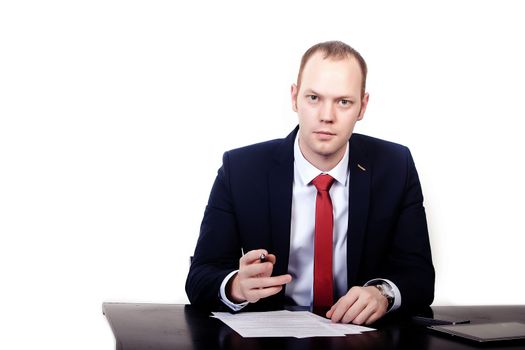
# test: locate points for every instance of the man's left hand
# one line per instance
(361, 305)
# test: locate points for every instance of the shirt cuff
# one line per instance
(397, 293)
(222, 294)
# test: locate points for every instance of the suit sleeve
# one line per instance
(410, 262)
(218, 248)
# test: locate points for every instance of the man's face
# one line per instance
(328, 103)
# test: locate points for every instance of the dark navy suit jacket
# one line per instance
(250, 208)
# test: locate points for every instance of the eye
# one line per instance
(345, 103)
(312, 98)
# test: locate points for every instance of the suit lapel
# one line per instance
(280, 187)
(359, 198)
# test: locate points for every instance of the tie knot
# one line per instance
(323, 182)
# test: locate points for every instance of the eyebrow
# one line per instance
(344, 97)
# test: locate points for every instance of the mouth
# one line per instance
(324, 133)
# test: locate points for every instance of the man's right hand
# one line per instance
(253, 281)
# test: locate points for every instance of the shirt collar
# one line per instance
(308, 172)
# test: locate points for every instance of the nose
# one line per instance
(327, 113)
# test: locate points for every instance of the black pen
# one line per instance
(428, 321)
(262, 258)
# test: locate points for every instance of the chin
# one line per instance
(324, 152)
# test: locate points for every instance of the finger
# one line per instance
(256, 270)
(338, 311)
(330, 312)
(266, 282)
(254, 295)
(343, 304)
(378, 312)
(252, 256)
(364, 315)
(374, 317)
(375, 304)
(256, 288)
(354, 311)
(271, 258)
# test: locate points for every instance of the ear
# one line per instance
(293, 92)
(364, 103)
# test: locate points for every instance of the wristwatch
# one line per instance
(387, 292)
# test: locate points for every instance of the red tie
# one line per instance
(324, 227)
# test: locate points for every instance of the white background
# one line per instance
(112, 112)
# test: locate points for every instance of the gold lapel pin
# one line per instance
(361, 167)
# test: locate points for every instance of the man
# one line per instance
(323, 218)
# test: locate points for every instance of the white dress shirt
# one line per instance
(300, 263)
(301, 260)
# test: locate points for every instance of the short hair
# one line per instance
(336, 50)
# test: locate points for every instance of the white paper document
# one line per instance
(298, 324)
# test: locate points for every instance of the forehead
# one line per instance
(332, 76)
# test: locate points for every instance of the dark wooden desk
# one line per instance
(164, 326)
